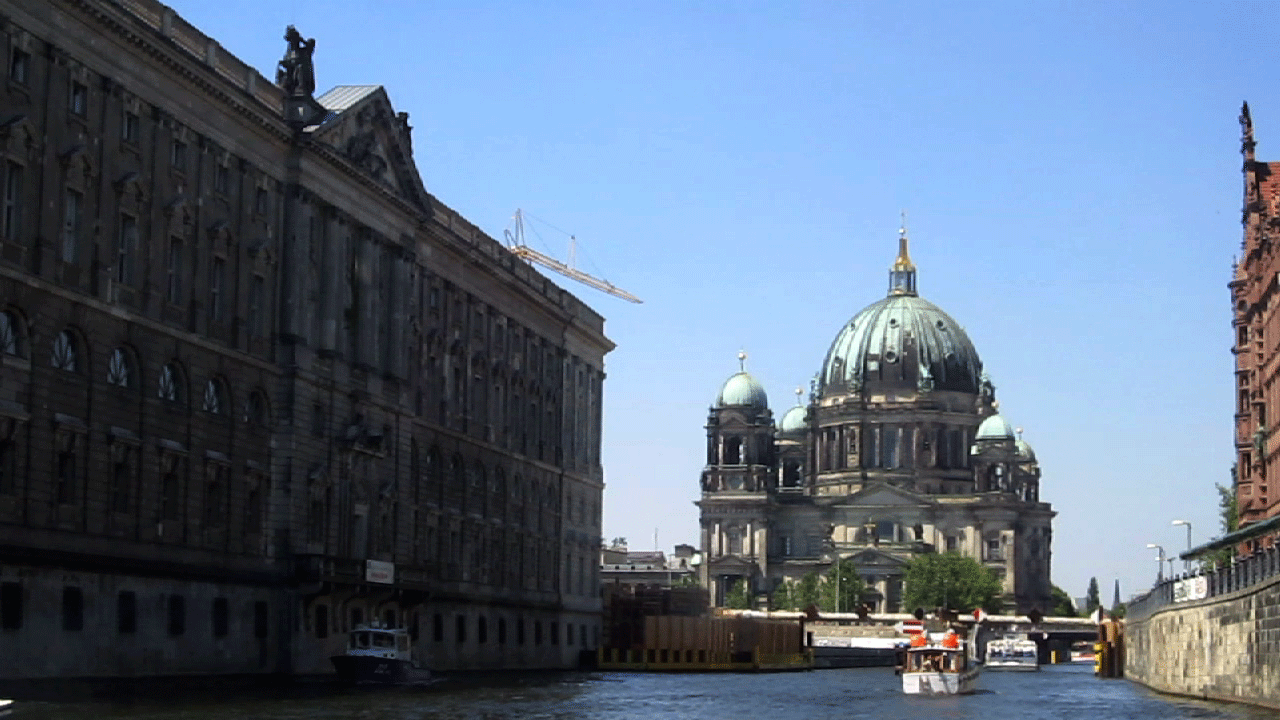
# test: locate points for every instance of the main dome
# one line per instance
(901, 341)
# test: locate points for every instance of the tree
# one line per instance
(1228, 520)
(805, 593)
(1063, 606)
(847, 582)
(738, 598)
(783, 597)
(1092, 601)
(951, 580)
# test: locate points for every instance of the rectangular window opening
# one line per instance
(127, 612)
(72, 608)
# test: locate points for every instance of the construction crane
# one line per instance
(516, 244)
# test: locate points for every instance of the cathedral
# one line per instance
(900, 451)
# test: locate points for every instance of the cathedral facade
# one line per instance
(900, 451)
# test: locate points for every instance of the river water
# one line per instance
(1061, 692)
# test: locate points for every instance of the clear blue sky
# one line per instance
(1071, 173)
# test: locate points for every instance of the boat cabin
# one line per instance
(936, 659)
(378, 642)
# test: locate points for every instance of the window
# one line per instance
(255, 409)
(317, 419)
(178, 155)
(71, 209)
(78, 102)
(482, 630)
(170, 383)
(174, 293)
(11, 213)
(122, 462)
(66, 469)
(8, 466)
(10, 340)
(63, 354)
(260, 619)
(170, 491)
(215, 397)
(10, 606)
(19, 66)
(215, 496)
(219, 618)
(220, 178)
(460, 623)
(126, 612)
(129, 127)
(437, 627)
(126, 249)
(260, 201)
(72, 608)
(217, 281)
(118, 371)
(177, 615)
(256, 292)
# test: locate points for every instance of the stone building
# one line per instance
(899, 450)
(257, 384)
(1254, 295)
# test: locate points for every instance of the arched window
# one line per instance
(215, 397)
(63, 354)
(733, 451)
(11, 336)
(170, 388)
(119, 369)
(255, 408)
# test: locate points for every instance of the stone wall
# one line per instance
(1223, 648)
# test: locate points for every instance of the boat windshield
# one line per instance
(360, 639)
(383, 640)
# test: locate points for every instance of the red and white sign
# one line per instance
(910, 627)
(378, 571)
(979, 615)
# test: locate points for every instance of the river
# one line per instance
(1061, 692)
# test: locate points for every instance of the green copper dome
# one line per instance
(902, 341)
(995, 428)
(792, 423)
(742, 390)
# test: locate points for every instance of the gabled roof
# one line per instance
(363, 128)
(884, 495)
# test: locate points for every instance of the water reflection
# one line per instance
(1055, 693)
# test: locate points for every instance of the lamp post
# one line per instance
(1159, 562)
(1186, 564)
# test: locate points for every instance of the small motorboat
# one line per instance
(939, 666)
(6, 707)
(378, 654)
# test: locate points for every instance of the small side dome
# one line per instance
(792, 424)
(742, 390)
(1025, 453)
(995, 428)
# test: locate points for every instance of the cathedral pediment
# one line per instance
(872, 558)
(881, 495)
(365, 130)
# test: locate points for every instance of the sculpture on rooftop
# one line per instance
(295, 74)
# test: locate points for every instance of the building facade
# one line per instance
(900, 450)
(1255, 298)
(258, 385)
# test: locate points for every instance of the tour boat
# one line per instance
(1012, 654)
(377, 654)
(939, 666)
(6, 707)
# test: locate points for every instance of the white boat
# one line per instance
(939, 666)
(6, 707)
(1017, 654)
(378, 654)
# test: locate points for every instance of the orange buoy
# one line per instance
(918, 640)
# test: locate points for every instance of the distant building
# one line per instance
(1254, 297)
(258, 385)
(620, 566)
(898, 451)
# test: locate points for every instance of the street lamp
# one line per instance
(1186, 564)
(1159, 562)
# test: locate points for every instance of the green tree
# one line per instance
(806, 593)
(1062, 603)
(1228, 520)
(783, 597)
(952, 581)
(738, 598)
(849, 586)
(1092, 601)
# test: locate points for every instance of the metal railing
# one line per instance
(1241, 574)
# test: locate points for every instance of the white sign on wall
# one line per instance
(378, 571)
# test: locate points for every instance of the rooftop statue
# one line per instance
(296, 74)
